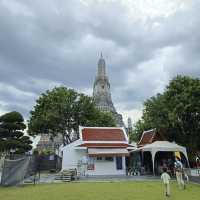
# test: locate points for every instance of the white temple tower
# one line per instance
(101, 92)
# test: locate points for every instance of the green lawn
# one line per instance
(99, 191)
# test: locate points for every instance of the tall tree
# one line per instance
(62, 110)
(11, 133)
(183, 102)
(176, 112)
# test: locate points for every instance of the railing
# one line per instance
(192, 171)
(198, 171)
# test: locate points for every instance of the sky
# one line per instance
(50, 43)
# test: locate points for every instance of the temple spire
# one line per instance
(101, 66)
(102, 94)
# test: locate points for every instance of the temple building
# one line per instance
(102, 94)
(98, 151)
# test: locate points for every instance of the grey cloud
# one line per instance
(49, 43)
(18, 108)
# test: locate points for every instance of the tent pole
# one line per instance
(153, 158)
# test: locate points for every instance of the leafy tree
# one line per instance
(102, 119)
(175, 113)
(183, 102)
(11, 135)
(155, 114)
(137, 131)
(62, 110)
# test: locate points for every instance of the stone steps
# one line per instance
(66, 175)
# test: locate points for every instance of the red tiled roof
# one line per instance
(147, 137)
(150, 136)
(98, 134)
(102, 145)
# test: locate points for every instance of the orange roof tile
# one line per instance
(103, 134)
(149, 137)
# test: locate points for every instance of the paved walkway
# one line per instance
(194, 179)
(116, 178)
(50, 178)
(43, 178)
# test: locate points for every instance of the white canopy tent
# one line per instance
(162, 146)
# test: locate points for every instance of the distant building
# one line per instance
(130, 126)
(46, 143)
(102, 94)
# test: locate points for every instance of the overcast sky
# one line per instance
(46, 43)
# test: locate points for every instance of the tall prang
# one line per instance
(102, 94)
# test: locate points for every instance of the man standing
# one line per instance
(165, 178)
(179, 172)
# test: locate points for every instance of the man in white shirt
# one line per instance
(165, 178)
(179, 172)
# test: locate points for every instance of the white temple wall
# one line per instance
(104, 167)
(71, 156)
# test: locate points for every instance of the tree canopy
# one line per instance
(175, 113)
(62, 110)
(11, 133)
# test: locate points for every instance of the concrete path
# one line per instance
(117, 178)
(194, 179)
(50, 178)
(44, 178)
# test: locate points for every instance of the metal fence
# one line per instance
(14, 171)
(15, 168)
(49, 162)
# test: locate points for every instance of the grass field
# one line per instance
(99, 191)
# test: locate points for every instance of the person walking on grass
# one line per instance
(166, 178)
(178, 166)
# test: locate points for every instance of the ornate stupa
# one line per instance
(101, 92)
